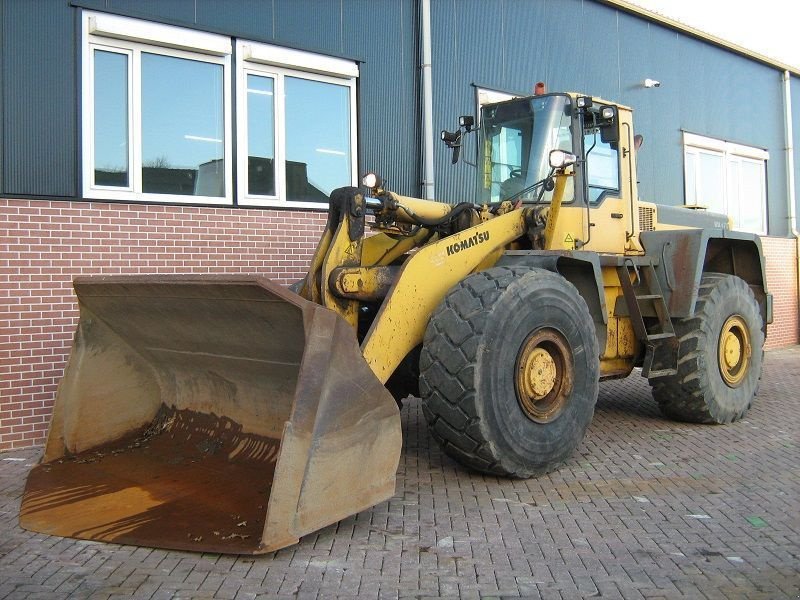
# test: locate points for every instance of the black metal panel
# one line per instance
(39, 110)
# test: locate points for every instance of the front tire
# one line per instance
(720, 355)
(509, 371)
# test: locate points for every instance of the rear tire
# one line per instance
(720, 355)
(509, 371)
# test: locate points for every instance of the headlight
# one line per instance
(372, 180)
(560, 159)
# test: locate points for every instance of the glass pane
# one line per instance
(183, 128)
(690, 162)
(318, 153)
(516, 138)
(260, 136)
(506, 165)
(111, 119)
(752, 197)
(732, 197)
(602, 166)
(711, 189)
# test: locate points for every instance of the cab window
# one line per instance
(602, 167)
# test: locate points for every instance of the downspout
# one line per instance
(427, 104)
(790, 183)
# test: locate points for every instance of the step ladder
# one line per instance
(642, 292)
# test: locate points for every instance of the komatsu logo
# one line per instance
(478, 238)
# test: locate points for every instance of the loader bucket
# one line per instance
(215, 414)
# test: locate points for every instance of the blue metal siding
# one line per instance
(243, 18)
(39, 118)
(37, 59)
(310, 24)
(171, 10)
(578, 45)
(389, 132)
(581, 45)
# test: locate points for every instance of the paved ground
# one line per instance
(647, 508)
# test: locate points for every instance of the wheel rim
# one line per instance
(544, 375)
(734, 351)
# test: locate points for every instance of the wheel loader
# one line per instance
(231, 414)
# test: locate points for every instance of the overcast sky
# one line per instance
(769, 27)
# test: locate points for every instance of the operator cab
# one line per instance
(517, 136)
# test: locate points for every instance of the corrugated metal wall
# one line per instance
(40, 49)
(38, 99)
(508, 45)
(581, 45)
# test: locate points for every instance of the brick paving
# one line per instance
(647, 508)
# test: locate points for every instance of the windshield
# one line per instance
(517, 137)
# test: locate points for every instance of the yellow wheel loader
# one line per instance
(230, 414)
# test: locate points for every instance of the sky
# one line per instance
(768, 27)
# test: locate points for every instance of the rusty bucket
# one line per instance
(216, 414)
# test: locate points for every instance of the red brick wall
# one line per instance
(44, 245)
(781, 258)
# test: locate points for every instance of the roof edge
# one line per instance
(640, 11)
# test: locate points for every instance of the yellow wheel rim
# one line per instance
(544, 375)
(734, 351)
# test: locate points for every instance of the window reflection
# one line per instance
(183, 130)
(111, 119)
(260, 136)
(318, 153)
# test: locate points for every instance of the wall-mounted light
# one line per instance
(651, 83)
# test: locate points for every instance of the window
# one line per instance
(299, 126)
(602, 167)
(727, 178)
(156, 118)
(516, 140)
(489, 96)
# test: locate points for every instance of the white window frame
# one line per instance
(133, 36)
(694, 145)
(276, 62)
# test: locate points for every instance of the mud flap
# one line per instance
(215, 414)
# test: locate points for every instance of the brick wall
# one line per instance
(781, 259)
(44, 245)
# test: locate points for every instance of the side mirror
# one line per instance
(466, 123)
(453, 140)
